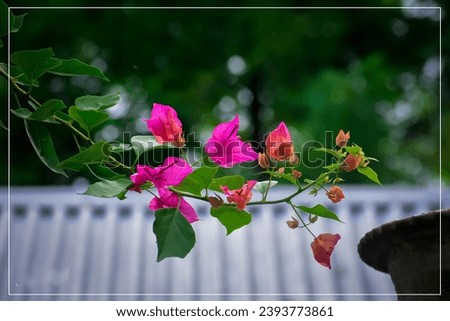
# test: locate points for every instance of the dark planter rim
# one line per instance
(375, 247)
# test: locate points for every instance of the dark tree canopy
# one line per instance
(374, 72)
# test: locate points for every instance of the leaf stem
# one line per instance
(267, 190)
(301, 219)
(76, 131)
(278, 201)
(56, 118)
(180, 193)
(17, 88)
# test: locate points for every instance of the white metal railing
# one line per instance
(69, 246)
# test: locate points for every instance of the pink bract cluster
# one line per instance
(226, 149)
(170, 173)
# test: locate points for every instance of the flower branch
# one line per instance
(174, 181)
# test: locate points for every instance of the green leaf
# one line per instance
(120, 147)
(47, 110)
(370, 173)
(174, 234)
(231, 217)
(34, 63)
(43, 145)
(332, 167)
(320, 210)
(355, 149)
(263, 186)
(3, 19)
(329, 151)
(233, 182)
(285, 176)
(103, 172)
(3, 125)
(197, 181)
(75, 67)
(108, 188)
(16, 22)
(18, 75)
(88, 119)
(22, 112)
(97, 102)
(96, 154)
(44, 112)
(63, 116)
(142, 144)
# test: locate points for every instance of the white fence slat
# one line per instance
(77, 251)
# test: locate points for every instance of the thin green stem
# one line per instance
(200, 161)
(119, 164)
(17, 88)
(267, 190)
(180, 193)
(75, 130)
(290, 197)
(301, 219)
(22, 92)
(282, 200)
(37, 103)
(16, 98)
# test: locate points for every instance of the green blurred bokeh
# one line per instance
(374, 72)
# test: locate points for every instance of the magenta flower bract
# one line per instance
(170, 173)
(165, 125)
(226, 148)
(168, 199)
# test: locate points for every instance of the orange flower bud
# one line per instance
(179, 141)
(342, 138)
(293, 224)
(296, 174)
(263, 160)
(335, 194)
(281, 170)
(215, 202)
(294, 159)
(351, 162)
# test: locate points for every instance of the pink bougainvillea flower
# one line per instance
(335, 194)
(226, 148)
(170, 173)
(165, 125)
(322, 247)
(342, 138)
(279, 144)
(240, 196)
(168, 199)
(351, 162)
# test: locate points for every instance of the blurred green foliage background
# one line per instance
(374, 72)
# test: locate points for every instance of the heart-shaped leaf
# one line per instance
(174, 234)
(231, 217)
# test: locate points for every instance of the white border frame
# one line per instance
(223, 294)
